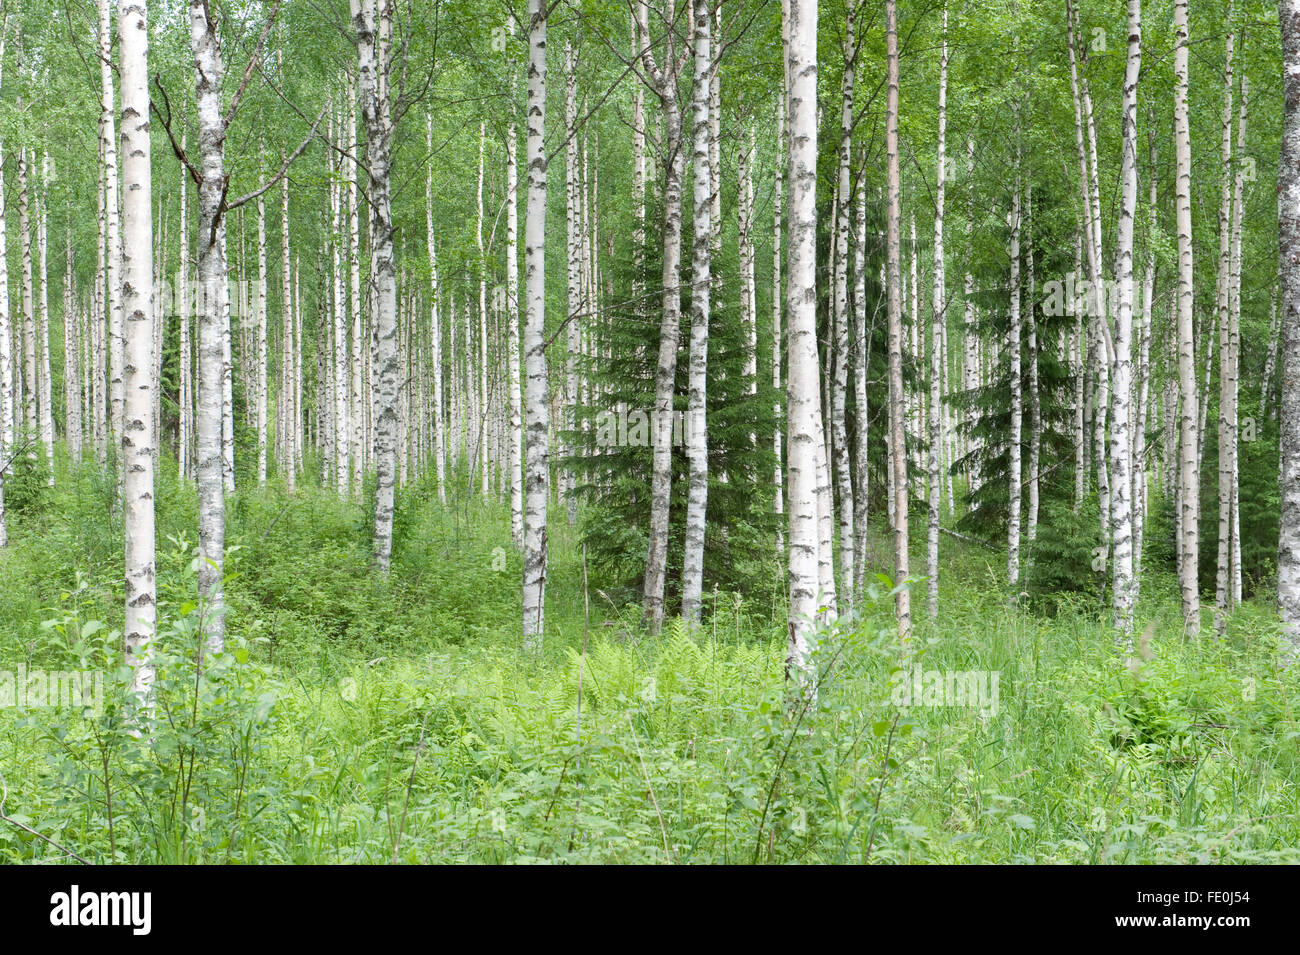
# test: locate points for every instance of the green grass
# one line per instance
(361, 720)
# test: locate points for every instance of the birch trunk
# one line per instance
(778, 308)
(938, 310)
(840, 382)
(802, 401)
(573, 251)
(213, 318)
(1234, 351)
(6, 332)
(1189, 470)
(185, 426)
(112, 262)
(516, 438)
(289, 350)
(861, 369)
(372, 21)
(1014, 359)
(261, 382)
(1227, 380)
(1288, 563)
(1124, 583)
(536, 393)
(697, 448)
(137, 309)
(897, 406)
(665, 81)
(435, 335)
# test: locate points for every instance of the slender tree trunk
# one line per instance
(1234, 351)
(357, 446)
(802, 402)
(212, 310)
(372, 21)
(261, 382)
(1124, 582)
(289, 350)
(938, 312)
(1014, 359)
(435, 336)
(73, 371)
(1288, 562)
(697, 447)
(778, 309)
(516, 446)
(840, 383)
(861, 370)
(30, 389)
(536, 392)
(665, 84)
(1227, 378)
(112, 276)
(185, 425)
(6, 332)
(1035, 399)
(897, 407)
(44, 380)
(137, 309)
(1189, 470)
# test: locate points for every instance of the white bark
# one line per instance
(1227, 376)
(516, 436)
(1189, 470)
(840, 383)
(1124, 582)
(665, 81)
(137, 310)
(435, 335)
(372, 22)
(778, 309)
(1014, 361)
(112, 276)
(536, 392)
(697, 448)
(1288, 563)
(6, 353)
(897, 404)
(802, 401)
(213, 318)
(938, 313)
(261, 381)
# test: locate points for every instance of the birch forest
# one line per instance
(649, 431)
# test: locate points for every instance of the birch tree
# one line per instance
(937, 320)
(516, 435)
(435, 334)
(372, 22)
(897, 402)
(112, 261)
(537, 391)
(1124, 582)
(137, 311)
(697, 448)
(6, 332)
(663, 78)
(1288, 563)
(840, 314)
(803, 404)
(1189, 469)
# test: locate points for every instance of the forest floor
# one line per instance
(357, 719)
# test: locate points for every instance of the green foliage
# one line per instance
(359, 720)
